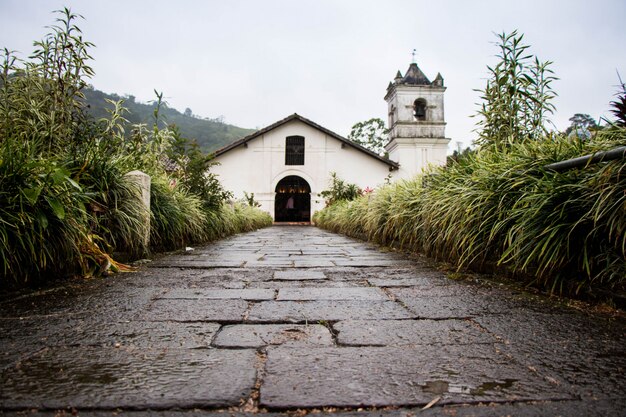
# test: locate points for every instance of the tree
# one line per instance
(582, 125)
(458, 154)
(188, 112)
(371, 134)
(192, 169)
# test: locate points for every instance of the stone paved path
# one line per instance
(291, 318)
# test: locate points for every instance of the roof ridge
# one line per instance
(294, 116)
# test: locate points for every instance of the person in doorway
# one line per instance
(290, 209)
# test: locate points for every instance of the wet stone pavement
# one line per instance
(295, 318)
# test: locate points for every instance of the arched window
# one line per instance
(294, 150)
(419, 109)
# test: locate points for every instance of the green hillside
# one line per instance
(211, 134)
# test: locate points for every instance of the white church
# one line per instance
(289, 163)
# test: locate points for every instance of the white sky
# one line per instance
(256, 62)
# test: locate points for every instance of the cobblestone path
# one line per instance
(293, 317)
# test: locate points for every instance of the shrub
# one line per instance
(340, 190)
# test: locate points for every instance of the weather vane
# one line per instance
(413, 55)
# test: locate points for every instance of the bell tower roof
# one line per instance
(414, 76)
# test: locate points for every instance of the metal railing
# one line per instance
(583, 161)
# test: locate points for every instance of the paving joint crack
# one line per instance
(246, 314)
(251, 403)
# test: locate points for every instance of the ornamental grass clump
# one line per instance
(177, 217)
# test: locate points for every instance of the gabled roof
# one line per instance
(295, 116)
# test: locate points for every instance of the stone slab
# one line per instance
(298, 274)
(198, 263)
(362, 293)
(188, 278)
(325, 252)
(19, 338)
(405, 282)
(306, 284)
(255, 336)
(470, 304)
(312, 263)
(236, 274)
(325, 310)
(459, 289)
(111, 378)
(269, 264)
(393, 376)
(117, 300)
(555, 345)
(409, 332)
(139, 334)
(360, 273)
(195, 310)
(365, 262)
(220, 294)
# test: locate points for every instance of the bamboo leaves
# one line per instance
(517, 97)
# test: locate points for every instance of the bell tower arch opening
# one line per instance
(419, 109)
(293, 200)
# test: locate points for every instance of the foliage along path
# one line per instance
(289, 318)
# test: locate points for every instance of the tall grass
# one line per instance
(498, 208)
(180, 218)
(115, 207)
(563, 231)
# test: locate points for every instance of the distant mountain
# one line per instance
(211, 134)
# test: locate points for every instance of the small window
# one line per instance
(294, 150)
(419, 109)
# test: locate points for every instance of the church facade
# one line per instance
(288, 164)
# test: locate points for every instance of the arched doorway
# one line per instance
(293, 200)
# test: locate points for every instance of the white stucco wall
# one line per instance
(414, 155)
(259, 167)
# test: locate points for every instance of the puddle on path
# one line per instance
(440, 387)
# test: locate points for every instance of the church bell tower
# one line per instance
(416, 122)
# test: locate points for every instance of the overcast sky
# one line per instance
(255, 62)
